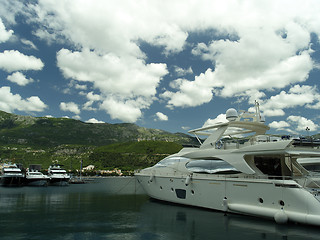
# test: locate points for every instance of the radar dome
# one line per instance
(231, 114)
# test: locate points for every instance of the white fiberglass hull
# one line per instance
(59, 180)
(37, 182)
(281, 200)
(256, 175)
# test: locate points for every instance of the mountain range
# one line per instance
(51, 132)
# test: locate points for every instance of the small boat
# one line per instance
(76, 179)
(11, 175)
(58, 176)
(36, 178)
(240, 169)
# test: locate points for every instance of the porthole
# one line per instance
(171, 189)
(281, 203)
(160, 187)
(192, 192)
(260, 200)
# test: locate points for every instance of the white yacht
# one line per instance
(58, 176)
(11, 175)
(36, 178)
(255, 175)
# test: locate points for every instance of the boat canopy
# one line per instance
(242, 124)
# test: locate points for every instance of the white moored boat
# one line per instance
(258, 175)
(11, 175)
(36, 178)
(58, 176)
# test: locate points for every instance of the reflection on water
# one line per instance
(166, 221)
(109, 209)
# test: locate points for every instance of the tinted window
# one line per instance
(171, 160)
(211, 166)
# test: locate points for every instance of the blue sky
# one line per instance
(172, 65)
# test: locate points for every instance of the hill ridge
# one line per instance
(50, 132)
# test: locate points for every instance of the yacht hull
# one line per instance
(37, 182)
(238, 168)
(12, 181)
(59, 182)
(281, 200)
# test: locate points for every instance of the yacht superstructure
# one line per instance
(256, 175)
(58, 176)
(36, 178)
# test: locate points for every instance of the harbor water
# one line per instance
(116, 208)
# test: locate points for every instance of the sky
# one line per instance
(171, 65)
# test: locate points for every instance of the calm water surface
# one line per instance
(109, 209)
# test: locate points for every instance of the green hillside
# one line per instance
(143, 147)
(126, 156)
(31, 140)
(132, 155)
(51, 132)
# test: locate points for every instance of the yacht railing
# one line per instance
(243, 142)
(235, 143)
(304, 142)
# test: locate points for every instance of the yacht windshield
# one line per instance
(311, 164)
(211, 166)
(170, 161)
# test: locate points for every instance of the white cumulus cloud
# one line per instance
(259, 60)
(221, 118)
(190, 93)
(92, 98)
(29, 44)
(301, 123)
(128, 79)
(93, 120)
(296, 96)
(4, 34)
(13, 60)
(127, 111)
(161, 116)
(70, 106)
(10, 102)
(19, 78)
(257, 46)
(279, 125)
(181, 71)
(295, 125)
(110, 73)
